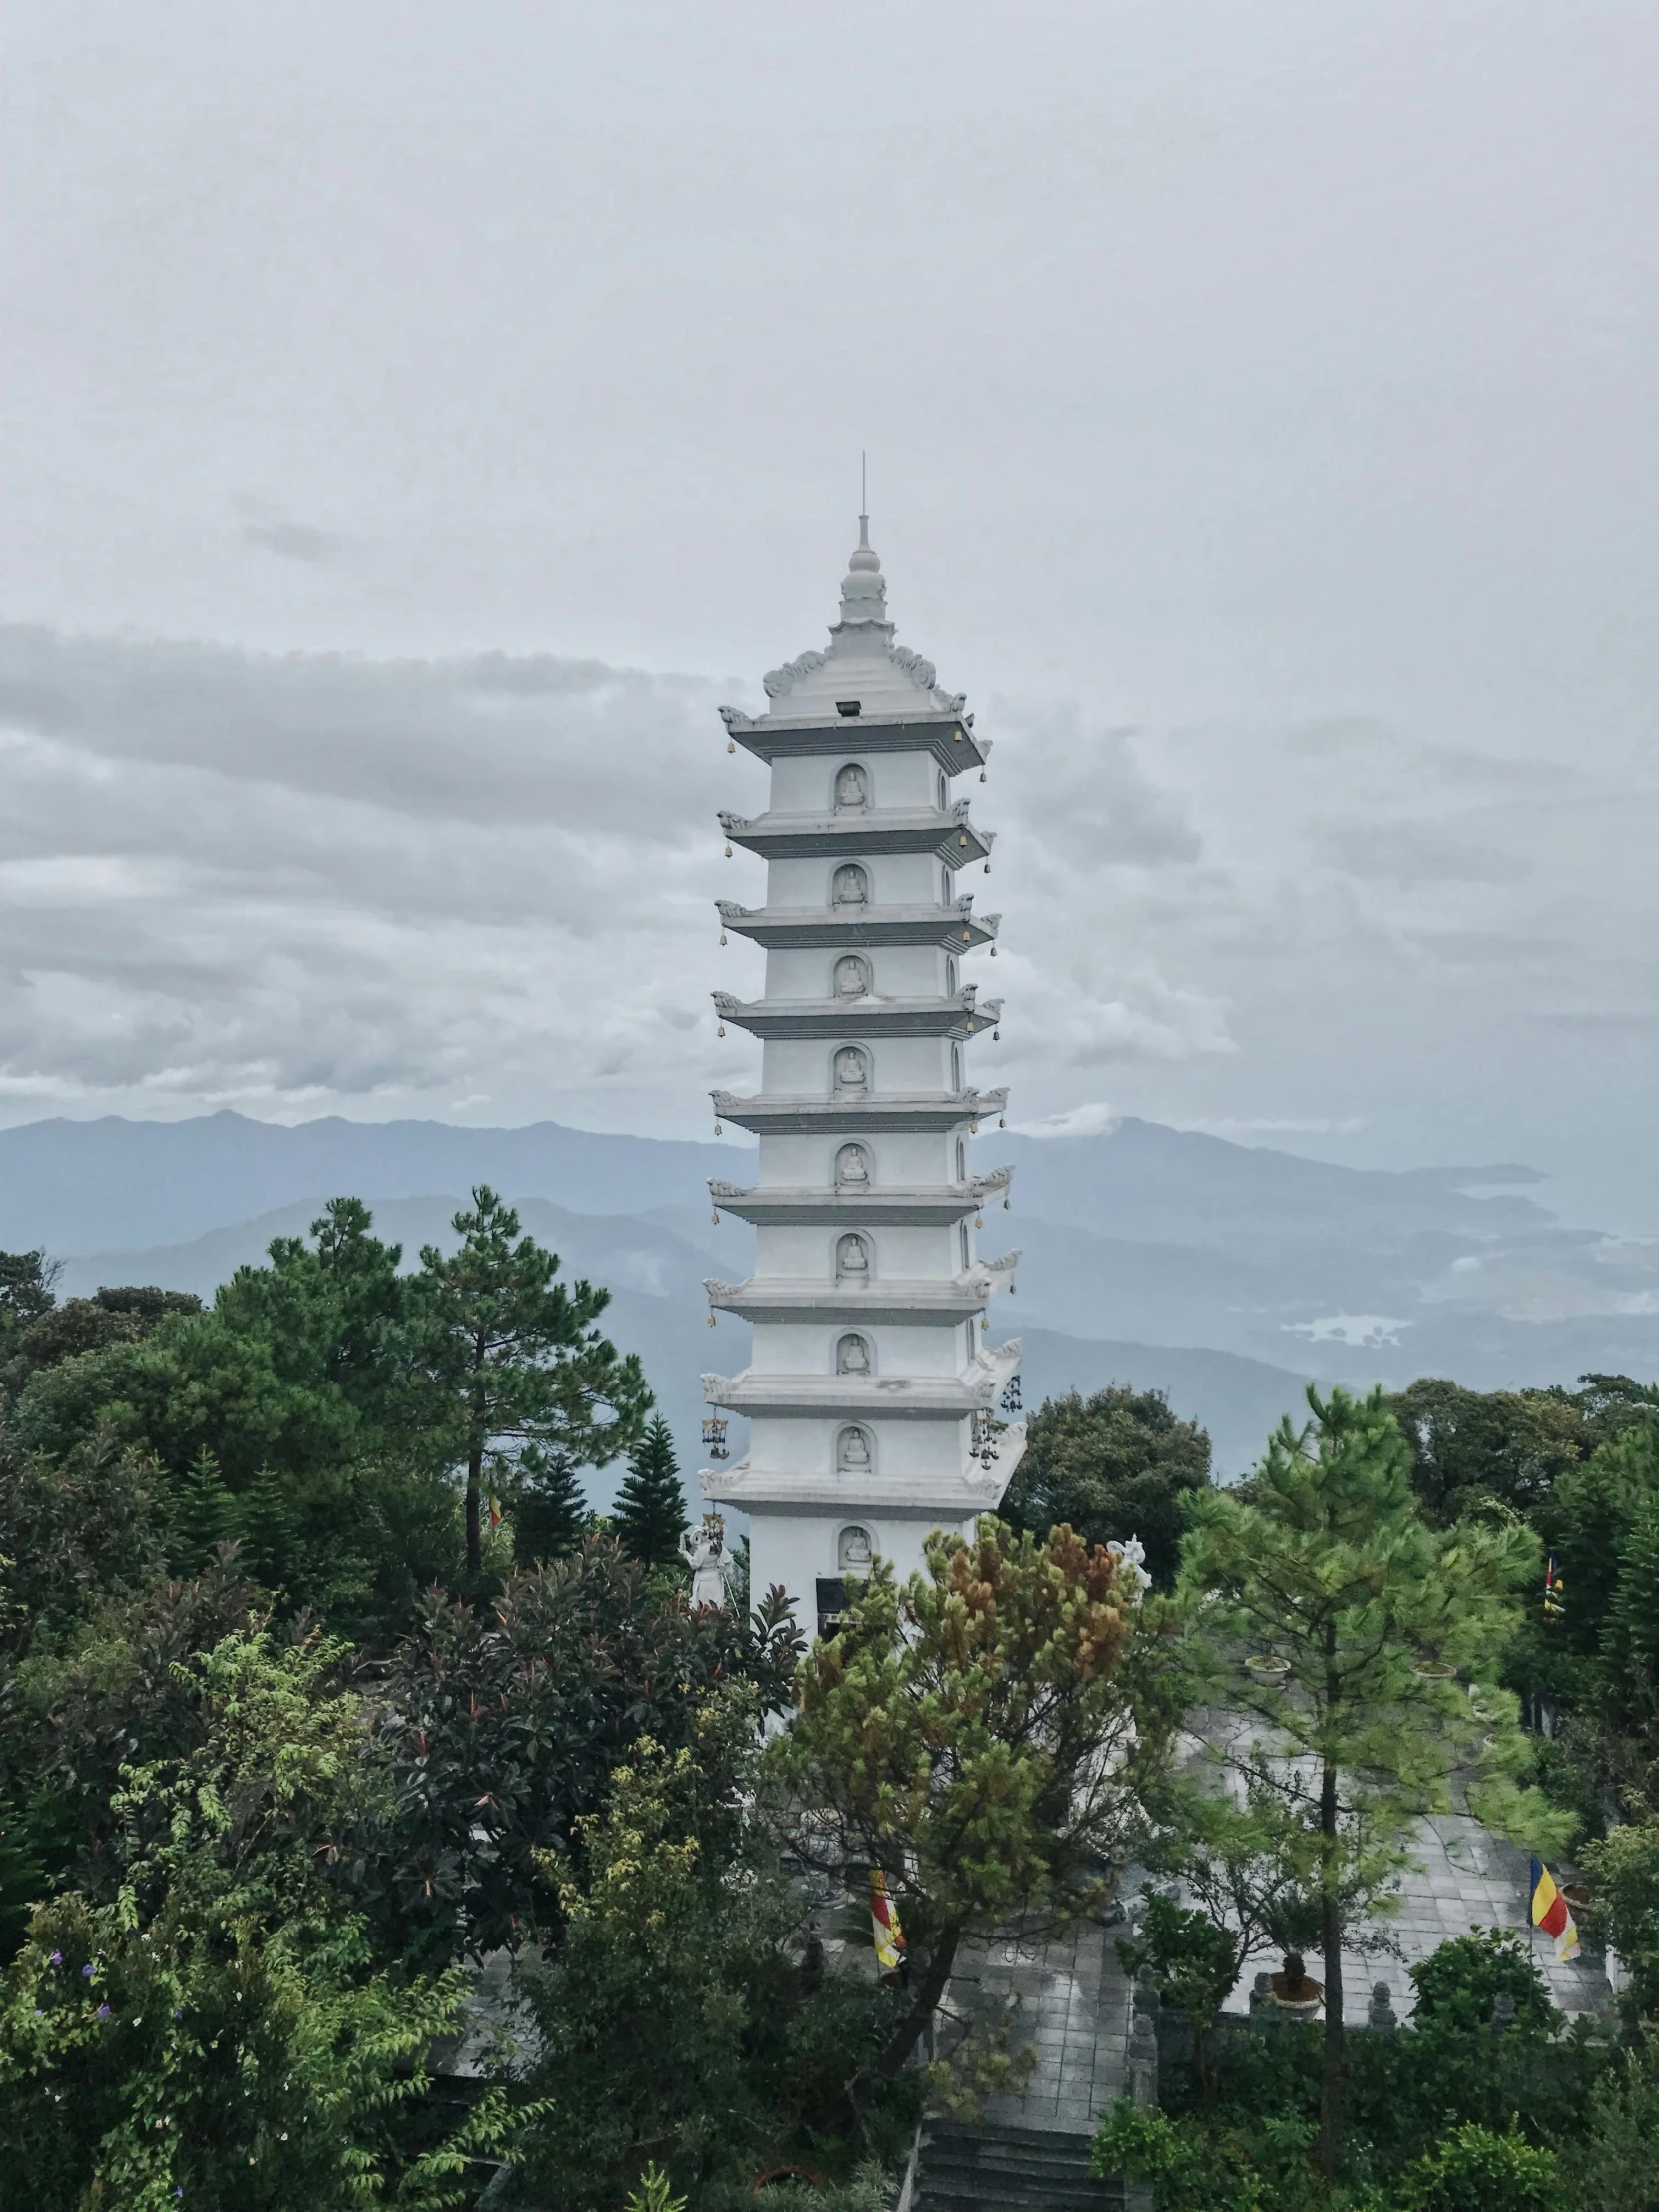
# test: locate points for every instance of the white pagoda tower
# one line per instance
(871, 1398)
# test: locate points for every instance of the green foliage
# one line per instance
(550, 1509)
(1113, 1465)
(1208, 2169)
(216, 2027)
(1624, 1872)
(26, 1293)
(512, 1357)
(1472, 1445)
(73, 1532)
(676, 2029)
(1617, 2168)
(650, 1513)
(504, 1727)
(1474, 2170)
(1460, 1982)
(1335, 1616)
(980, 1735)
(653, 2193)
(202, 1514)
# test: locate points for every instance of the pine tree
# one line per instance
(204, 1516)
(550, 1515)
(514, 1355)
(651, 1506)
(268, 1526)
(1367, 1646)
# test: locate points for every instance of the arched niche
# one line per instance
(855, 1450)
(852, 978)
(849, 1070)
(854, 1261)
(854, 1355)
(851, 789)
(855, 1552)
(855, 1169)
(850, 886)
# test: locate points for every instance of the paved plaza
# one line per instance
(1073, 2011)
(1074, 1999)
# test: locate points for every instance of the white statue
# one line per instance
(855, 1551)
(703, 1548)
(852, 1069)
(852, 1167)
(855, 1451)
(852, 976)
(852, 887)
(1131, 1559)
(853, 1355)
(851, 789)
(852, 1258)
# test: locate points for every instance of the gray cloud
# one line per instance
(294, 541)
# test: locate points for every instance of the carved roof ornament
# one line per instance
(863, 630)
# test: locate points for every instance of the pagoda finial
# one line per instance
(864, 589)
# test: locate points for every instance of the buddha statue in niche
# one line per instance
(853, 1354)
(851, 885)
(853, 1167)
(852, 1069)
(852, 1258)
(852, 790)
(852, 976)
(855, 1551)
(852, 1457)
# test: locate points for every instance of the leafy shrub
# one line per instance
(1459, 1983)
(1473, 2170)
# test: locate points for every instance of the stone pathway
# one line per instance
(1468, 1878)
(1073, 2011)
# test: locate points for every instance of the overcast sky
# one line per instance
(418, 416)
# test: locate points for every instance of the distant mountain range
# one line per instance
(1221, 1274)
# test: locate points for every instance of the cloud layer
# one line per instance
(482, 888)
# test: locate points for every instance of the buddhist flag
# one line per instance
(1555, 1602)
(889, 1936)
(1549, 1912)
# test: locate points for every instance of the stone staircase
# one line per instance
(989, 2166)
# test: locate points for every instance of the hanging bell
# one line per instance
(978, 1220)
(984, 778)
(984, 1324)
(1006, 1202)
(711, 1320)
(994, 949)
(723, 936)
(721, 1031)
(973, 1129)
(1003, 1123)
(987, 867)
(731, 745)
(728, 852)
(996, 1036)
(961, 841)
(715, 1217)
(717, 1128)
(1012, 1288)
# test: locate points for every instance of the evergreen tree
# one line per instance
(651, 1506)
(550, 1514)
(1332, 1614)
(204, 1516)
(514, 1355)
(267, 1523)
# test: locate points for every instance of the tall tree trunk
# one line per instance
(477, 1410)
(475, 1516)
(924, 2003)
(1329, 1940)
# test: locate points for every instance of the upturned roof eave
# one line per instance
(954, 928)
